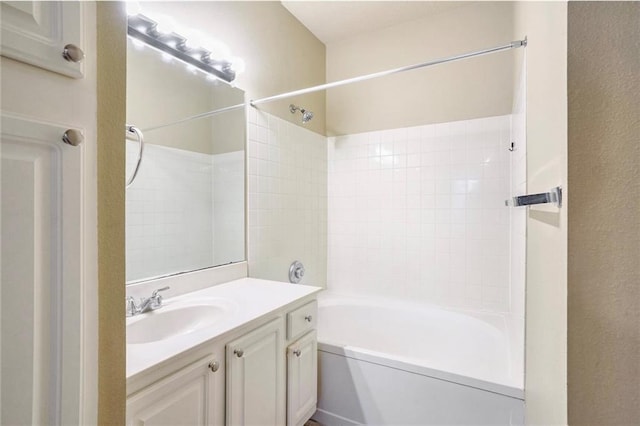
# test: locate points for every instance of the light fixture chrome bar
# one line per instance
(144, 29)
(513, 45)
(554, 196)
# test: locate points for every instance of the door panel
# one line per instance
(36, 168)
(256, 377)
(302, 379)
(36, 32)
(188, 397)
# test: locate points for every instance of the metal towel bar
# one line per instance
(554, 196)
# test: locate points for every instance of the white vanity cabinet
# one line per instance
(192, 395)
(265, 370)
(256, 377)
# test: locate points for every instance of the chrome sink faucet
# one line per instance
(146, 303)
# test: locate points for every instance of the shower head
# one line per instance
(306, 115)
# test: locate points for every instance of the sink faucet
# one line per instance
(146, 303)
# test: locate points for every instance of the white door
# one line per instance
(302, 379)
(48, 297)
(256, 377)
(191, 396)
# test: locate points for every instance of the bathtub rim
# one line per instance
(496, 321)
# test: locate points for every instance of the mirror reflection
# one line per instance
(185, 208)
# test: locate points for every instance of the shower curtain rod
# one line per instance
(513, 45)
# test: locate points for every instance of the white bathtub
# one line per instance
(393, 363)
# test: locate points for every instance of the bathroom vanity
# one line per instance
(243, 352)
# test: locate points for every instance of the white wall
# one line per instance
(418, 213)
(518, 186)
(545, 24)
(287, 172)
(518, 215)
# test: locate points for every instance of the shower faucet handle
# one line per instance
(296, 272)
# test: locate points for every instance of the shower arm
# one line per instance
(513, 45)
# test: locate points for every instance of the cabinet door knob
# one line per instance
(214, 366)
(308, 318)
(72, 53)
(73, 137)
(297, 352)
(238, 352)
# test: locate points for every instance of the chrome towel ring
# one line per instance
(134, 131)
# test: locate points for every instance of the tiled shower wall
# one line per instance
(418, 213)
(287, 170)
(228, 207)
(169, 209)
(172, 225)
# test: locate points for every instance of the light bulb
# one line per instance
(238, 65)
(194, 38)
(166, 24)
(219, 50)
(133, 8)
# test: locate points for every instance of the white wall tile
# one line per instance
(423, 218)
(288, 197)
(169, 209)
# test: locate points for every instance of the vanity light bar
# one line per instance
(144, 29)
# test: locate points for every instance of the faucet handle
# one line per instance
(158, 290)
(131, 307)
(156, 299)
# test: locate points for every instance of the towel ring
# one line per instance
(140, 138)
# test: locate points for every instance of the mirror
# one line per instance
(185, 209)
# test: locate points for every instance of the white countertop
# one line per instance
(249, 299)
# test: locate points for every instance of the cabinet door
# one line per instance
(302, 379)
(256, 377)
(40, 210)
(36, 32)
(187, 397)
(48, 253)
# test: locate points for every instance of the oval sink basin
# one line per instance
(171, 321)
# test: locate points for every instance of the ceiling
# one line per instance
(331, 21)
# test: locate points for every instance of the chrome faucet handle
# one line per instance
(132, 307)
(156, 298)
(158, 290)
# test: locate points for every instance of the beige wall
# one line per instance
(545, 24)
(161, 92)
(478, 87)
(281, 55)
(111, 261)
(604, 221)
